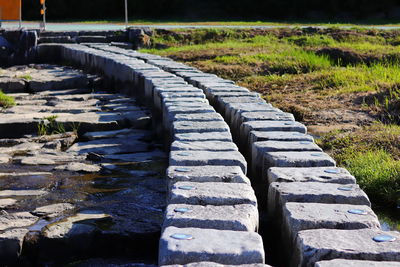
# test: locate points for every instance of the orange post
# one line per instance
(10, 9)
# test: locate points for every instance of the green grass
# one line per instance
(26, 77)
(6, 101)
(49, 125)
(372, 155)
(377, 172)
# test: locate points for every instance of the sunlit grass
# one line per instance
(6, 101)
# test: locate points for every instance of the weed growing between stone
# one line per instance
(6, 101)
(49, 125)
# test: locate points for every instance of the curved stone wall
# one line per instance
(212, 216)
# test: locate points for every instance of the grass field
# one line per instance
(343, 83)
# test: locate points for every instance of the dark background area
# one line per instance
(290, 10)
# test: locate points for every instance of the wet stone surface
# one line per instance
(90, 191)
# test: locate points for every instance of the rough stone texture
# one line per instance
(36, 160)
(296, 159)
(16, 220)
(213, 264)
(217, 194)
(12, 85)
(53, 210)
(325, 244)
(258, 149)
(79, 167)
(247, 127)
(203, 145)
(202, 174)
(19, 193)
(305, 216)
(356, 263)
(313, 192)
(201, 158)
(111, 134)
(4, 158)
(199, 117)
(234, 218)
(258, 136)
(220, 246)
(11, 245)
(199, 126)
(110, 146)
(6, 202)
(317, 174)
(210, 136)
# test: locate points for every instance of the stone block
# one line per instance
(356, 263)
(210, 136)
(325, 244)
(219, 246)
(296, 159)
(317, 174)
(305, 216)
(203, 145)
(202, 174)
(258, 136)
(199, 117)
(201, 158)
(222, 102)
(199, 126)
(313, 192)
(235, 218)
(211, 193)
(258, 149)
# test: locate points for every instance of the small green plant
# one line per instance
(25, 77)
(6, 101)
(49, 125)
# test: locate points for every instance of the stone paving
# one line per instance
(67, 196)
(303, 238)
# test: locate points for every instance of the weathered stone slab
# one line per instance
(203, 145)
(243, 117)
(210, 136)
(213, 264)
(210, 193)
(219, 246)
(201, 158)
(356, 263)
(317, 174)
(289, 126)
(223, 102)
(36, 160)
(116, 133)
(296, 159)
(305, 216)
(325, 244)
(109, 146)
(53, 210)
(199, 117)
(234, 109)
(259, 136)
(170, 112)
(201, 174)
(16, 220)
(18, 193)
(216, 95)
(313, 192)
(235, 218)
(6, 202)
(199, 126)
(4, 158)
(258, 149)
(79, 167)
